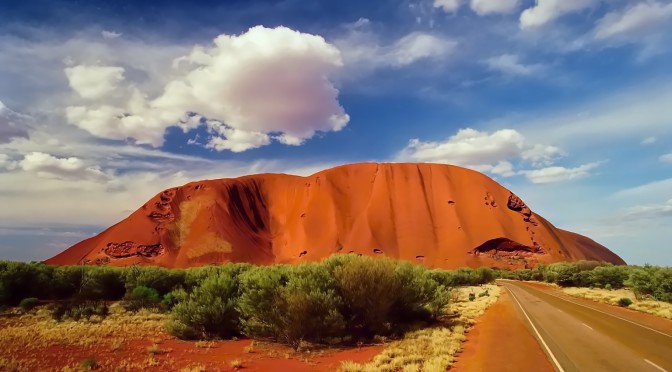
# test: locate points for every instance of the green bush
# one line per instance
(472, 296)
(141, 298)
(291, 304)
(21, 280)
(613, 276)
(208, 311)
(28, 304)
(194, 276)
(624, 302)
(420, 295)
(89, 364)
(78, 310)
(370, 289)
(160, 279)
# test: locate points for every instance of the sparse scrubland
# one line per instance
(433, 349)
(419, 314)
(644, 288)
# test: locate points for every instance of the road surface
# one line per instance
(581, 336)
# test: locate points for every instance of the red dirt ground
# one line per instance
(174, 355)
(500, 341)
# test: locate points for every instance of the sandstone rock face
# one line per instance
(437, 215)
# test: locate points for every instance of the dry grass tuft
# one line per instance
(432, 349)
(39, 331)
(658, 308)
(196, 368)
(236, 364)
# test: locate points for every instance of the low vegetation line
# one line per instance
(643, 288)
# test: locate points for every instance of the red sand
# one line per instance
(174, 355)
(438, 215)
(500, 341)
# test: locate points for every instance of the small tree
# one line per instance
(624, 302)
(210, 310)
(141, 297)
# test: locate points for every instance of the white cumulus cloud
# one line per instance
(633, 20)
(667, 158)
(546, 11)
(482, 151)
(485, 7)
(94, 82)
(110, 34)
(48, 166)
(558, 174)
(510, 64)
(264, 81)
(235, 140)
(480, 7)
(6, 162)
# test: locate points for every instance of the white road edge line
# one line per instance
(587, 326)
(615, 316)
(655, 365)
(550, 353)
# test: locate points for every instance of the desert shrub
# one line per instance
(89, 364)
(465, 276)
(183, 331)
(584, 279)
(260, 289)
(419, 296)
(208, 311)
(641, 281)
(168, 301)
(445, 278)
(472, 296)
(291, 304)
(662, 284)
(141, 298)
(561, 273)
(78, 309)
(195, 276)
(624, 302)
(588, 265)
(484, 275)
(103, 283)
(21, 280)
(67, 281)
(160, 279)
(28, 304)
(614, 276)
(369, 288)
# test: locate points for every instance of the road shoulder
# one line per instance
(501, 341)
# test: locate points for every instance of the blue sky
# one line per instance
(567, 103)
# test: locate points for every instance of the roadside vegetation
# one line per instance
(346, 300)
(644, 288)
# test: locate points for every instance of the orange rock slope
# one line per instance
(438, 215)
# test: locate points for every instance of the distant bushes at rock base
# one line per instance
(646, 281)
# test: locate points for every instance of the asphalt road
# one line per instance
(581, 337)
